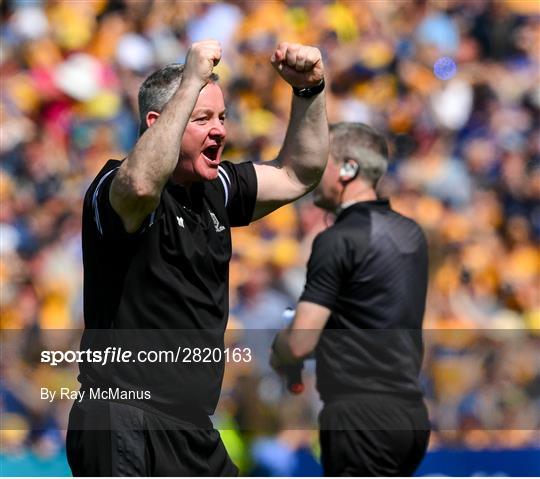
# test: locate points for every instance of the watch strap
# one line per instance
(309, 92)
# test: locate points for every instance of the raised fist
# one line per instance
(299, 65)
(201, 59)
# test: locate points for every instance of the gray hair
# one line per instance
(158, 89)
(361, 143)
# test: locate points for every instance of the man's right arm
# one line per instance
(136, 189)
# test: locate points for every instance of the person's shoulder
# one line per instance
(228, 169)
(97, 184)
(225, 176)
(107, 168)
(225, 172)
(411, 222)
(237, 184)
(234, 164)
(110, 165)
(332, 236)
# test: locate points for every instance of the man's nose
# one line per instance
(218, 130)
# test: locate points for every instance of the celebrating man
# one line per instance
(156, 249)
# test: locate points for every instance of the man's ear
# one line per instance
(349, 171)
(151, 117)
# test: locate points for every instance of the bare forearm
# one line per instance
(281, 349)
(293, 346)
(305, 150)
(300, 339)
(302, 159)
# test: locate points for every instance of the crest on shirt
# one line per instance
(219, 227)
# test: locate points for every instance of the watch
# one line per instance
(309, 91)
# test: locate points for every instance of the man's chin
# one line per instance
(209, 174)
(320, 202)
(207, 169)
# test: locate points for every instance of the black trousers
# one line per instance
(106, 438)
(373, 436)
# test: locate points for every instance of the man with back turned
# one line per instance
(361, 312)
(156, 250)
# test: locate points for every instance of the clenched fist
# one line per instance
(201, 59)
(299, 65)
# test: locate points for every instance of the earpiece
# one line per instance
(349, 171)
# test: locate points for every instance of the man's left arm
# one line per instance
(299, 340)
(303, 156)
(327, 267)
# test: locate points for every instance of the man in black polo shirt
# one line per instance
(361, 311)
(156, 250)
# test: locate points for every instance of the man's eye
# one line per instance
(201, 119)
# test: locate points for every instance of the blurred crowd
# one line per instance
(465, 163)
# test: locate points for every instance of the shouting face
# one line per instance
(204, 138)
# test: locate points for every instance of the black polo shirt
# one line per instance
(370, 270)
(153, 288)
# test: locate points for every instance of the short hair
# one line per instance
(158, 89)
(361, 143)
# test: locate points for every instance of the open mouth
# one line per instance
(212, 153)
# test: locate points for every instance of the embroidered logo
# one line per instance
(180, 221)
(218, 226)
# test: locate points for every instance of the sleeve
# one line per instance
(327, 268)
(239, 183)
(108, 223)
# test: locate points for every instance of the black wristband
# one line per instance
(310, 91)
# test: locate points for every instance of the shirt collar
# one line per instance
(346, 208)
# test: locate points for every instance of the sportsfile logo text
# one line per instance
(113, 354)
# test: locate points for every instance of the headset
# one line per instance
(349, 171)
